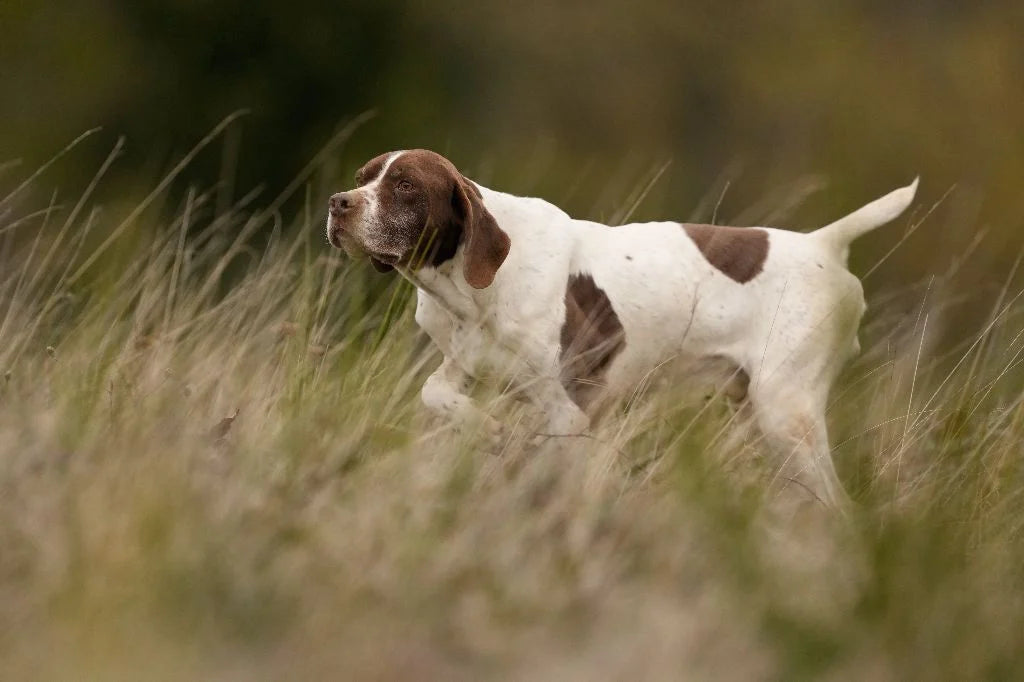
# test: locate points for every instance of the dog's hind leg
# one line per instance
(792, 421)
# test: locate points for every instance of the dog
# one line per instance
(580, 313)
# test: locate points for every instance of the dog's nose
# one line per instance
(341, 202)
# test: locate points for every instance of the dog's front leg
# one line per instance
(444, 393)
(563, 416)
(544, 389)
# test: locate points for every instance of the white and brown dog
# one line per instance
(580, 313)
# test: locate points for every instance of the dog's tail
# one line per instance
(842, 232)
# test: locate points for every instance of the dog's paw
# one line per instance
(494, 433)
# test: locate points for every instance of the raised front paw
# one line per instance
(568, 420)
(492, 433)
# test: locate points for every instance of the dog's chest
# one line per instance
(469, 342)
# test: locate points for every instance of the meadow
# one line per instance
(214, 465)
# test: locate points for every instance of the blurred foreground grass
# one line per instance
(206, 481)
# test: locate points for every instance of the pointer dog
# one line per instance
(581, 313)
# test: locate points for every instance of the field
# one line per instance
(214, 465)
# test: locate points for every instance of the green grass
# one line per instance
(332, 530)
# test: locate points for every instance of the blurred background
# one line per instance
(786, 112)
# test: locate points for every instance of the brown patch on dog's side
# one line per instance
(591, 337)
(737, 252)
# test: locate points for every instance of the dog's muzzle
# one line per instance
(334, 232)
(341, 207)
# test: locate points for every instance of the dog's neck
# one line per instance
(446, 284)
(520, 216)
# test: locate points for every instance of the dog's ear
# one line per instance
(485, 245)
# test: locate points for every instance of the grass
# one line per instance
(213, 464)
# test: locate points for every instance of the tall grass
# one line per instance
(213, 464)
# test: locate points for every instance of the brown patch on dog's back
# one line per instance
(737, 252)
(591, 337)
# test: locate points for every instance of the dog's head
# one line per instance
(412, 209)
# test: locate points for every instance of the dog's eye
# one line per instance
(404, 186)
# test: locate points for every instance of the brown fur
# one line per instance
(439, 209)
(737, 252)
(591, 337)
(370, 170)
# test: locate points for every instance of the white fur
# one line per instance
(790, 328)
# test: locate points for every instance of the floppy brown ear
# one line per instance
(485, 244)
